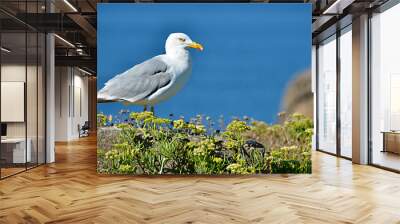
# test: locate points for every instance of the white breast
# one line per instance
(181, 70)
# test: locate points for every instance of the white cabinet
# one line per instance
(18, 149)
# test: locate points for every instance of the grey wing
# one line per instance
(137, 83)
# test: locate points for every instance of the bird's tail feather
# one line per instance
(103, 100)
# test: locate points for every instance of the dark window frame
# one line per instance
(340, 29)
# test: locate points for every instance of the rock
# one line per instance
(251, 145)
(298, 97)
(227, 154)
(106, 137)
(254, 144)
(146, 139)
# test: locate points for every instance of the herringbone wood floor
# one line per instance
(70, 191)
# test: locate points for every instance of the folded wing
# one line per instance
(137, 83)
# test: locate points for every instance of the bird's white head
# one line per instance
(180, 42)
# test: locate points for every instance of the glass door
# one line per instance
(346, 92)
(385, 89)
(14, 153)
(22, 98)
(326, 71)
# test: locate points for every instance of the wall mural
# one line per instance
(201, 88)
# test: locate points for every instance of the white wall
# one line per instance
(62, 82)
(71, 102)
(33, 126)
(12, 73)
(80, 103)
(16, 73)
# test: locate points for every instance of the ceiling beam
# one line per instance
(86, 26)
(77, 61)
(338, 6)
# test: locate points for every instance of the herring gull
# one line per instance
(154, 80)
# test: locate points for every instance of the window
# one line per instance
(327, 95)
(346, 92)
(385, 88)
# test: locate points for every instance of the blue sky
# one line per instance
(251, 52)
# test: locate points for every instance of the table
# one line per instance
(391, 141)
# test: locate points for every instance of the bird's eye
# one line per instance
(182, 39)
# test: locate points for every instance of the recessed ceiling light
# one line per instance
(5, 50)
(64, 40)
(70, 5)
(84, 71)
(338, 6)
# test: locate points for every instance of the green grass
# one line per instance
(152, 145)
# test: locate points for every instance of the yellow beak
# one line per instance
(196, 46)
